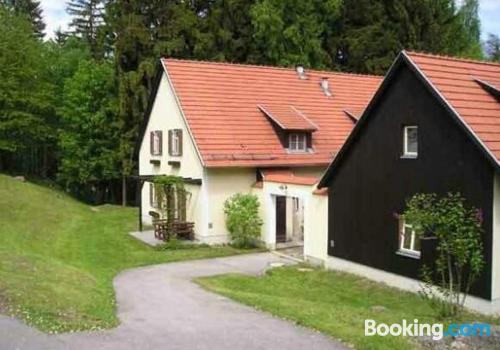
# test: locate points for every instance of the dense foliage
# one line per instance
(457, 229)
(243, 220)
(120, 42)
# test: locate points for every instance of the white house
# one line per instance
(229, 128)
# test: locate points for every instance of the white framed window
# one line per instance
(409, 241)
(410, 141)
(297, 142)
(156, 142)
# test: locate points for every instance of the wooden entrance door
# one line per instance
(280, 219)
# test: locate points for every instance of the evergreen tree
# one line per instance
(226, 32)
(372, 32)
(60, 36)
(26, 97)
(87, 22)
(32, 10)
(493, 47)
(293, 31)
(90, 129)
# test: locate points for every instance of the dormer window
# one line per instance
(297, 142)
(410, 141)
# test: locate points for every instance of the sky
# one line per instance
(56, 16)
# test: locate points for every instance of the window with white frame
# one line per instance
(156, 142)
(297, 142)
(410, 141)
(409, 241)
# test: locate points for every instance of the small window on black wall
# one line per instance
(409, 240)
(410, 141)
(297, 142)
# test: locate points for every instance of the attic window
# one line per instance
(297, 142)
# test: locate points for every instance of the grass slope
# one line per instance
(58, 257)
(331, 302)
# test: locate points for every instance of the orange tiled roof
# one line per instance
(459, 82)
(287, 117)
(288, 177)
(220, 102)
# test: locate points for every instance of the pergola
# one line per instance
(141, 179)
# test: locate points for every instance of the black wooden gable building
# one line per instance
(433, 127)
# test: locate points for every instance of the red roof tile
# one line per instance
(220, 102)
(288, 177)
(457, 81)
(287, 117)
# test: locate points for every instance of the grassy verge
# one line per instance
(331, 302)
(58, 257)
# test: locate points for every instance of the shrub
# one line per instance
(242, 220)
(459, 262)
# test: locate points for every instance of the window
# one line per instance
(410, 142)
(409, 241)
(175, 142)
(156, 142)
(297, 142)
(152, 196)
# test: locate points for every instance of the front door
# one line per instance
(280, 219)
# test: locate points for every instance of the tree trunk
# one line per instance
(124, 191)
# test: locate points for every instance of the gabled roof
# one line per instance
(287, 117)
(220, 103)
(459, 85)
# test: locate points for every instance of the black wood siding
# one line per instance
(373, 182)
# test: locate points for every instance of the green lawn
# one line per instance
(58, 257)
(331, 302)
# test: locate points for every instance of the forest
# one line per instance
(71, 106)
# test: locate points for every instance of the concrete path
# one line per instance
(161, 308)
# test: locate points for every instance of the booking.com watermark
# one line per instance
(436, 330)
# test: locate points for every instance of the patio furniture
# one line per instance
(176, 228)
(183, 229)
(160, 226)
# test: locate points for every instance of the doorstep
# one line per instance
(290, 250)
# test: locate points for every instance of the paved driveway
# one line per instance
(161, 308)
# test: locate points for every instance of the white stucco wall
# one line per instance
(316, 232)
(166, 115)
(496, 240)
(222, 183)
(315, 217)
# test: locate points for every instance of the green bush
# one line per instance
(242, 220)
(460, 261)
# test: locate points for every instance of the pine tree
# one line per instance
(87, 22)
(289, 32)
(60, 36)
(226, 32)
(32, 10)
